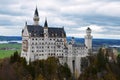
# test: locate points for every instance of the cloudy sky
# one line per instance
(102, 16)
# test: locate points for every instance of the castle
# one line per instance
(41, 42)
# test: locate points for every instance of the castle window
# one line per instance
(32, 38)
(36, 38)
(32, 51)
(60, 39)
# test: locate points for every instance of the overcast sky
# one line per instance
(102, 16)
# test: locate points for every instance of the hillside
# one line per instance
(10, 38)
(96, 42)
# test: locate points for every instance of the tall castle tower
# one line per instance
(88, 39)
(36, 17)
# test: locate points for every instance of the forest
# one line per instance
(99, 68)
(16, 68)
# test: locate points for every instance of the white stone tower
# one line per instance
(36, 17)
(88, 39)
(46, 41)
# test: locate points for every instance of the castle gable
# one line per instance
(25, 32)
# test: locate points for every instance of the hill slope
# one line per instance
(96, 42)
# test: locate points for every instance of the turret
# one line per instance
(88, 39)
(88, 31)
(36, 17)
(46, 24)
(45, 29)
(72, 40)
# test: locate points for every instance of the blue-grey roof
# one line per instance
(38, 31)
(56, 32)
(35, 30)
(78, 45)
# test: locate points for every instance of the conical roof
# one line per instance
(36, 12)
(88, 28)
(45, 24)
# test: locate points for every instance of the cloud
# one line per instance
(111, 9)
(101, 16)
(10, 31)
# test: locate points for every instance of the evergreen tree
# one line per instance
(118, 60)
(101, 60)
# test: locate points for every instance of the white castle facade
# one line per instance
(41, 42)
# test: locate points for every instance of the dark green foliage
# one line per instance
(101, 69)
(15, 57)
(49, 69)
(65, 70)
(18, 69)
(101, 60)
(118, 60)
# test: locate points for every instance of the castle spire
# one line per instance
(36, 12)
(26, 23)
(46, 24)
(36, 17)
